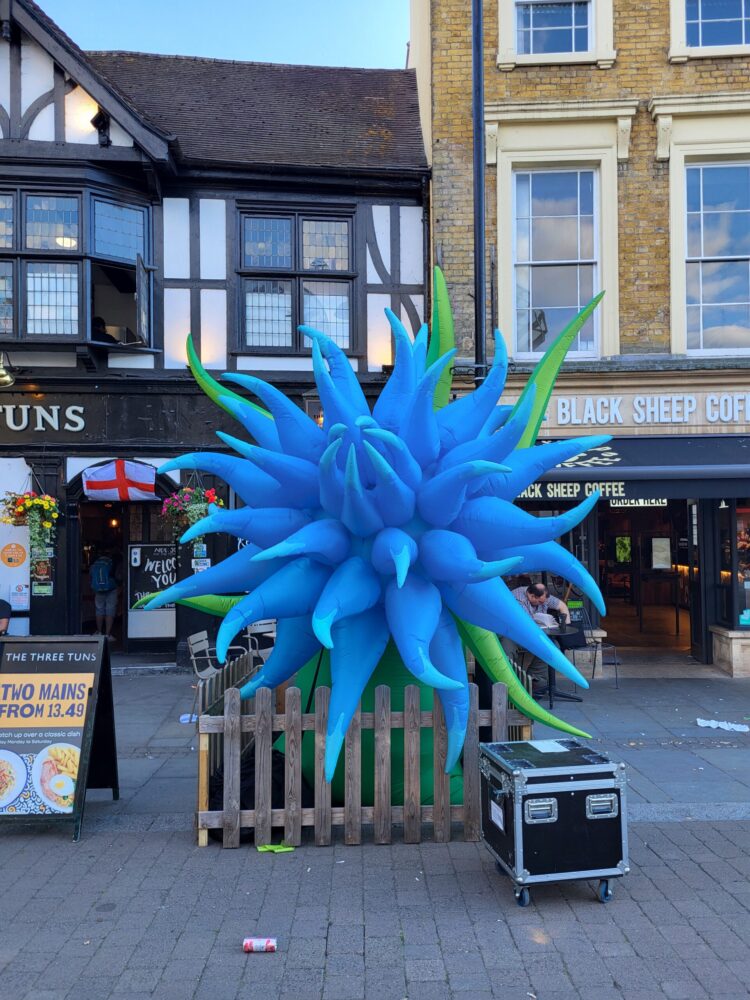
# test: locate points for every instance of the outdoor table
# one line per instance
(555, 632)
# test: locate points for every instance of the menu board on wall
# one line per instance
(151, 567)
(57, 734)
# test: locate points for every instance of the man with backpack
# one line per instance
(104, 586)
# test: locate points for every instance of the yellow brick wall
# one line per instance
(641, 35)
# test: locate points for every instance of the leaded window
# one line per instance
(6, 221)
(52, 300)
(718, 257)
(119, 231)
(6, 297)
(556, 256)
(543, 28)
(52, 222)
(717, 22)
(278, 252)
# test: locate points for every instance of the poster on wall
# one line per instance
(15, 580)
(52, 692)
(151, 567)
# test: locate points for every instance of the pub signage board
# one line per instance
(57, 734)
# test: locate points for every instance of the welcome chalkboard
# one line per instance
(57, 727)
(151, 567)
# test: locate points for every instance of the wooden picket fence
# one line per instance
(261, 723)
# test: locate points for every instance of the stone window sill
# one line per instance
(507, 61)
(683, 53)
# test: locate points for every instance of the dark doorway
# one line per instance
(646, 568)
(128, 532)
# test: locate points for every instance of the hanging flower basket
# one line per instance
(187, 506)
(40, 512)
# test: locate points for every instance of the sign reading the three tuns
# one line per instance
(57, 733)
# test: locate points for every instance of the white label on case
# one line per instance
(496, 813)
(548, 746)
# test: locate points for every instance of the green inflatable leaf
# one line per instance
(211, 604)
(442, 337)
(491, 657)
(213, 389)
(546, 372)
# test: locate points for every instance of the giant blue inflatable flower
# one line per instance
(393, 523)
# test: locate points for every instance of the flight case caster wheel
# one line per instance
(604, 893)
(523, 896)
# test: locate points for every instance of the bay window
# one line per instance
(51, 266)
(297, 269)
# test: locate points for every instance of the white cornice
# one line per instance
(700, 104)
(508, 112)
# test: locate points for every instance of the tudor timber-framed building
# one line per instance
(146, 196)
(618, 158)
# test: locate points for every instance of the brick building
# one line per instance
(618, 158)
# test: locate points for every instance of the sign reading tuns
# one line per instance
(48, 701)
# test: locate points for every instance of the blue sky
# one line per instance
(329, 32)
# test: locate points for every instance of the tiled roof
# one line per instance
(272, 115)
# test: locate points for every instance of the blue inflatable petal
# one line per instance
(297, 477)
(395, 501)
(234, 574)
(419, 350)
(496, 447)
(342, 373)
(394, 551)
(554, 558)
(326, 541)
(464, 418)
(446, 555)
(250, 483)
(397, 454)
(265, 526)
(294, 645)
(290, 592)
(255, 423)
(331, 480)
(354, 587)
(413, 612)
(441, 498)
(358, 512)
(447, 653)
(488, 517)
(358, 644)
(399, 389)
(492, 606)
(299, 434)
(419, 427)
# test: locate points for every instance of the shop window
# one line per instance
(743, 562)
(52, 299)
(537, 31)
(278, 255)
(556, 259)
(52, 223)
(552, 27)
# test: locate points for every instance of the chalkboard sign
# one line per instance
(57, 727)
(151, 567)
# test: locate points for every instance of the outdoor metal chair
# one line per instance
(595, 646)
(265, 627)
(203, 661)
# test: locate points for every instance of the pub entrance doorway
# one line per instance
(648, 573)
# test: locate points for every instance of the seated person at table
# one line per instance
(536, 600)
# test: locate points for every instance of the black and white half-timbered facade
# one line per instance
(145, 197)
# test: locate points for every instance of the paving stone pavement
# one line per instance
(148, 914)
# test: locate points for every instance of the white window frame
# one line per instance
(681, 52)
(560, 134)
(601, 49)
(531, 265)
(695, 130)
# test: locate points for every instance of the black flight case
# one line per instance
(554, 810)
